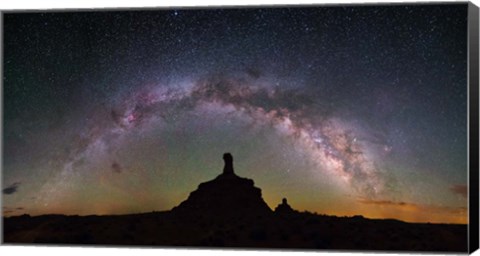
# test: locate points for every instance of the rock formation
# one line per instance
(225, 197)
(228, 168)
(284, 208)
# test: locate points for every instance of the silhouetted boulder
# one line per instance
(284, 208)
(227, 196)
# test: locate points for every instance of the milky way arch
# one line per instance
(333, 145)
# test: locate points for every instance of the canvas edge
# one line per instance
(202, 6)
(473, 65)
(1, 117)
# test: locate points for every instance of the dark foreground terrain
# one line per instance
(229, 211)
(295, 230)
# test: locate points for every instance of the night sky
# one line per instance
(342, 110)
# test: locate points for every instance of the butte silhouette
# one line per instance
(225, 197)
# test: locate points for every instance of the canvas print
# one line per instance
(294, 127)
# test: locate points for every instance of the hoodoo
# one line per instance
(228, 168)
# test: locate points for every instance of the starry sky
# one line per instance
(349, 110)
